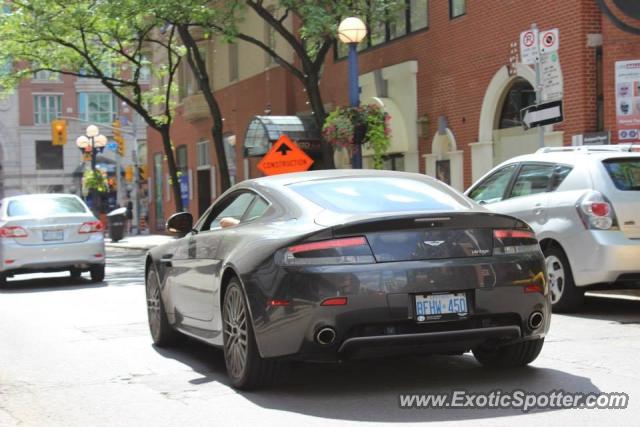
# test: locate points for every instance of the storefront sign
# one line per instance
(628, 99)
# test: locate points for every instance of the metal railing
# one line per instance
(592, 148)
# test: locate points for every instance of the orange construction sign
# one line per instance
(284, 157)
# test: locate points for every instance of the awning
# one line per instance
(265, 130)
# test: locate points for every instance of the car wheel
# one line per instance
(565, 296)
(75, 273)
(246, 369)
(97, 273)
(162, 333)
(509, 356)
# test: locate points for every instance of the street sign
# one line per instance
(541, 114)
(529, 46)
(284, 157)
(551, 77)
(549, 40)
(629, 134)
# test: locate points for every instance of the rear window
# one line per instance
(377, 195)
(45, 206)
(625, 173)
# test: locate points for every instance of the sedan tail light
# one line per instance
(350, 250)
(13, 232)
(507, 242)
(596, 212)
(91, 227)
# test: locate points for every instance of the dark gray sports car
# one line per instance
(328, 265)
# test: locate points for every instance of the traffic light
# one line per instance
(117, 137)
(58, 132)
(128, 173)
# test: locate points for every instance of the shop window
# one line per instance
(49, 157)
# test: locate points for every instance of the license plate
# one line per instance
(50, 235)
(428, 306)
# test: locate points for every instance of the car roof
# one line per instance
(570, 157)
(295, 178)
(38, 196)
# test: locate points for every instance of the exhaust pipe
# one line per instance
(325, 336)
(535, 320)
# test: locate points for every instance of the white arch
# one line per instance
(495, 95)
(439, 146)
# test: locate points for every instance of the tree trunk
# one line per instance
(173, 172)
(199, 68)
(319, 114)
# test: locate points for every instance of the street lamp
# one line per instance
(92, 142)
(352, 31)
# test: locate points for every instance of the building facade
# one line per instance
(448, 73)
(31, 164)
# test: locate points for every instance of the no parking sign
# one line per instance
(549, 40)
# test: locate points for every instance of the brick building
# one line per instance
(446, 73)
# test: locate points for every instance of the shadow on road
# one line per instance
(369, 390)
(48, 284)
(611, 309)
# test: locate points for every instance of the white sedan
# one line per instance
(50, 232)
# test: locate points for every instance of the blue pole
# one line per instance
(354, 99)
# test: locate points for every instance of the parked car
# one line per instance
(329, 265)
(49, 232)
(584, 205)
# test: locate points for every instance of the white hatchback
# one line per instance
(584, 205)
(50, 232)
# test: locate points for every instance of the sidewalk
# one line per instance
(140, 242)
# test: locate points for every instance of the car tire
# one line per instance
(245, 367)
(509, 356)
(162, 333)
(75, 273)
(97, 273)
(565, 296)
(3, 280)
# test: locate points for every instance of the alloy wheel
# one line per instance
(556, 277)
(235, 332)
(153, 304)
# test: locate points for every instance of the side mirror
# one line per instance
(180, 223)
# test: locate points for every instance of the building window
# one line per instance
(520, 95)
(48, 157)
(407, 16)
(96, 107)
(203, 157)
(181, 158)
(46, 108)
(233, 62)
(418, 14)
(457, 8)
(45, 76)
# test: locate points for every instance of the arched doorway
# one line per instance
(501, 135)
(445, 160)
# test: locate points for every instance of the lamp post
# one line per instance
(94, 143)
(352, 31)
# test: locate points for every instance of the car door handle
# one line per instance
(166, 259)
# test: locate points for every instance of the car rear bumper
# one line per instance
(380, 314)
(16, 258)
(603, 257)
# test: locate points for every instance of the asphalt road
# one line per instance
(73, 353)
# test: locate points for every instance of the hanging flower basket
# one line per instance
(94, 180)
(369, 124)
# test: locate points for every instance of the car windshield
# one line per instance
(377, 195)
(45, 206)
(625, 173)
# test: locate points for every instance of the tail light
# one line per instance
(91, 227)
(507, 242)
(596, 212)
(350, 250)
(13, 232)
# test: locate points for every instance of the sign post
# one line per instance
(284, 157)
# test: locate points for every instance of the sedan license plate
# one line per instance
(437, 305)
(52, 235)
